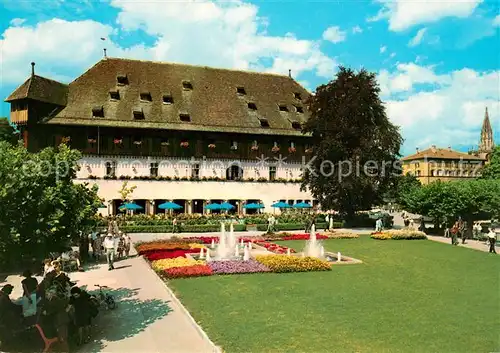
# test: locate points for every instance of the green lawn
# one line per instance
(407, 296)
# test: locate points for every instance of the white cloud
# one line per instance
(403, 14)
(357, 29)
(418, 38)
(334, 34)
(393, 55)
(496, 21)
(17, 21)
(229, 35)
(56, 46)
(441, 109)
(383, 49)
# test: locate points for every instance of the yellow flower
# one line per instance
(197, 246)
(160, 265)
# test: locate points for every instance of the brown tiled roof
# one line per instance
(440, 153)
(41, 89)
(213, 103)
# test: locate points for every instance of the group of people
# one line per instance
(55, 304)
(115, 244)
(459, 229)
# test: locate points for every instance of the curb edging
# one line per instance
(215, 348)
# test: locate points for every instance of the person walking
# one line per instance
(327, 220)
(174, 225)
(492, 237)
(109, 246)
(454, 233)
(127, 241)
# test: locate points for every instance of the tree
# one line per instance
(7, 132)
(125, 192)
(492, 169)
(355, 146)
(403, 185)
(42, 209)
(472, 200)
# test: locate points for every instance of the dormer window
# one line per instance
(146, 97)
(297, 96)
(186, 85)
(299, 109)
(114, 95)
(296, 125)
(98, 112)
(138, 114)
(122, 80)
(252, 106)
(185, 117)
(264, 123)
(168, 99)
(241, 91)
(283, 108)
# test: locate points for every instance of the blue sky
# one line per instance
(437, 62)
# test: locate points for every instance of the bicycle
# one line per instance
(104, 299)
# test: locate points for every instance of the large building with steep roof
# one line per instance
(445, 164)
(184, 133)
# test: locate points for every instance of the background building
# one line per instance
(184, 133)
(446, 164)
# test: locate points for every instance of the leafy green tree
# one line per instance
(403, 185)
(355, 146)
(492, 169)
(472, 200)
(7, 131)
(43, 210)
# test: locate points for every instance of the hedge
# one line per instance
(185, 229)
(295, 226)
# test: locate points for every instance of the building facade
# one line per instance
(188, 134)
(445, 164)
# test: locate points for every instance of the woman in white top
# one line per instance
(492, 237)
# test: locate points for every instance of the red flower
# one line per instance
(188, 271)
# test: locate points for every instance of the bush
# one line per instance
(285, 263)
(202, 228)
(295, 226)
(399, 234)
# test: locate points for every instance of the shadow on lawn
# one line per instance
(130, 317)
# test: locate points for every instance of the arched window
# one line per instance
(234, 172)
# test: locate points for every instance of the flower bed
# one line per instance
(399, 234)
(146, 248)
(275, 248)
(188, 271)
(232, 267)
(167, 254)
(284, 263)
(345, 235)
(160, 265)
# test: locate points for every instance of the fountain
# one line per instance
(236, 250)
(202, 254)
(232, 241)
(313, 248)
(288, 252)
(213, 244)
(222, 250)
(246, 253)
(208, 258)
(339, 257)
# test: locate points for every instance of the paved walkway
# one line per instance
(471, 244)
(148, 318)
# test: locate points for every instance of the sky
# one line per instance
(437, 62)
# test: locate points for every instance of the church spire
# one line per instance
(486, 144)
